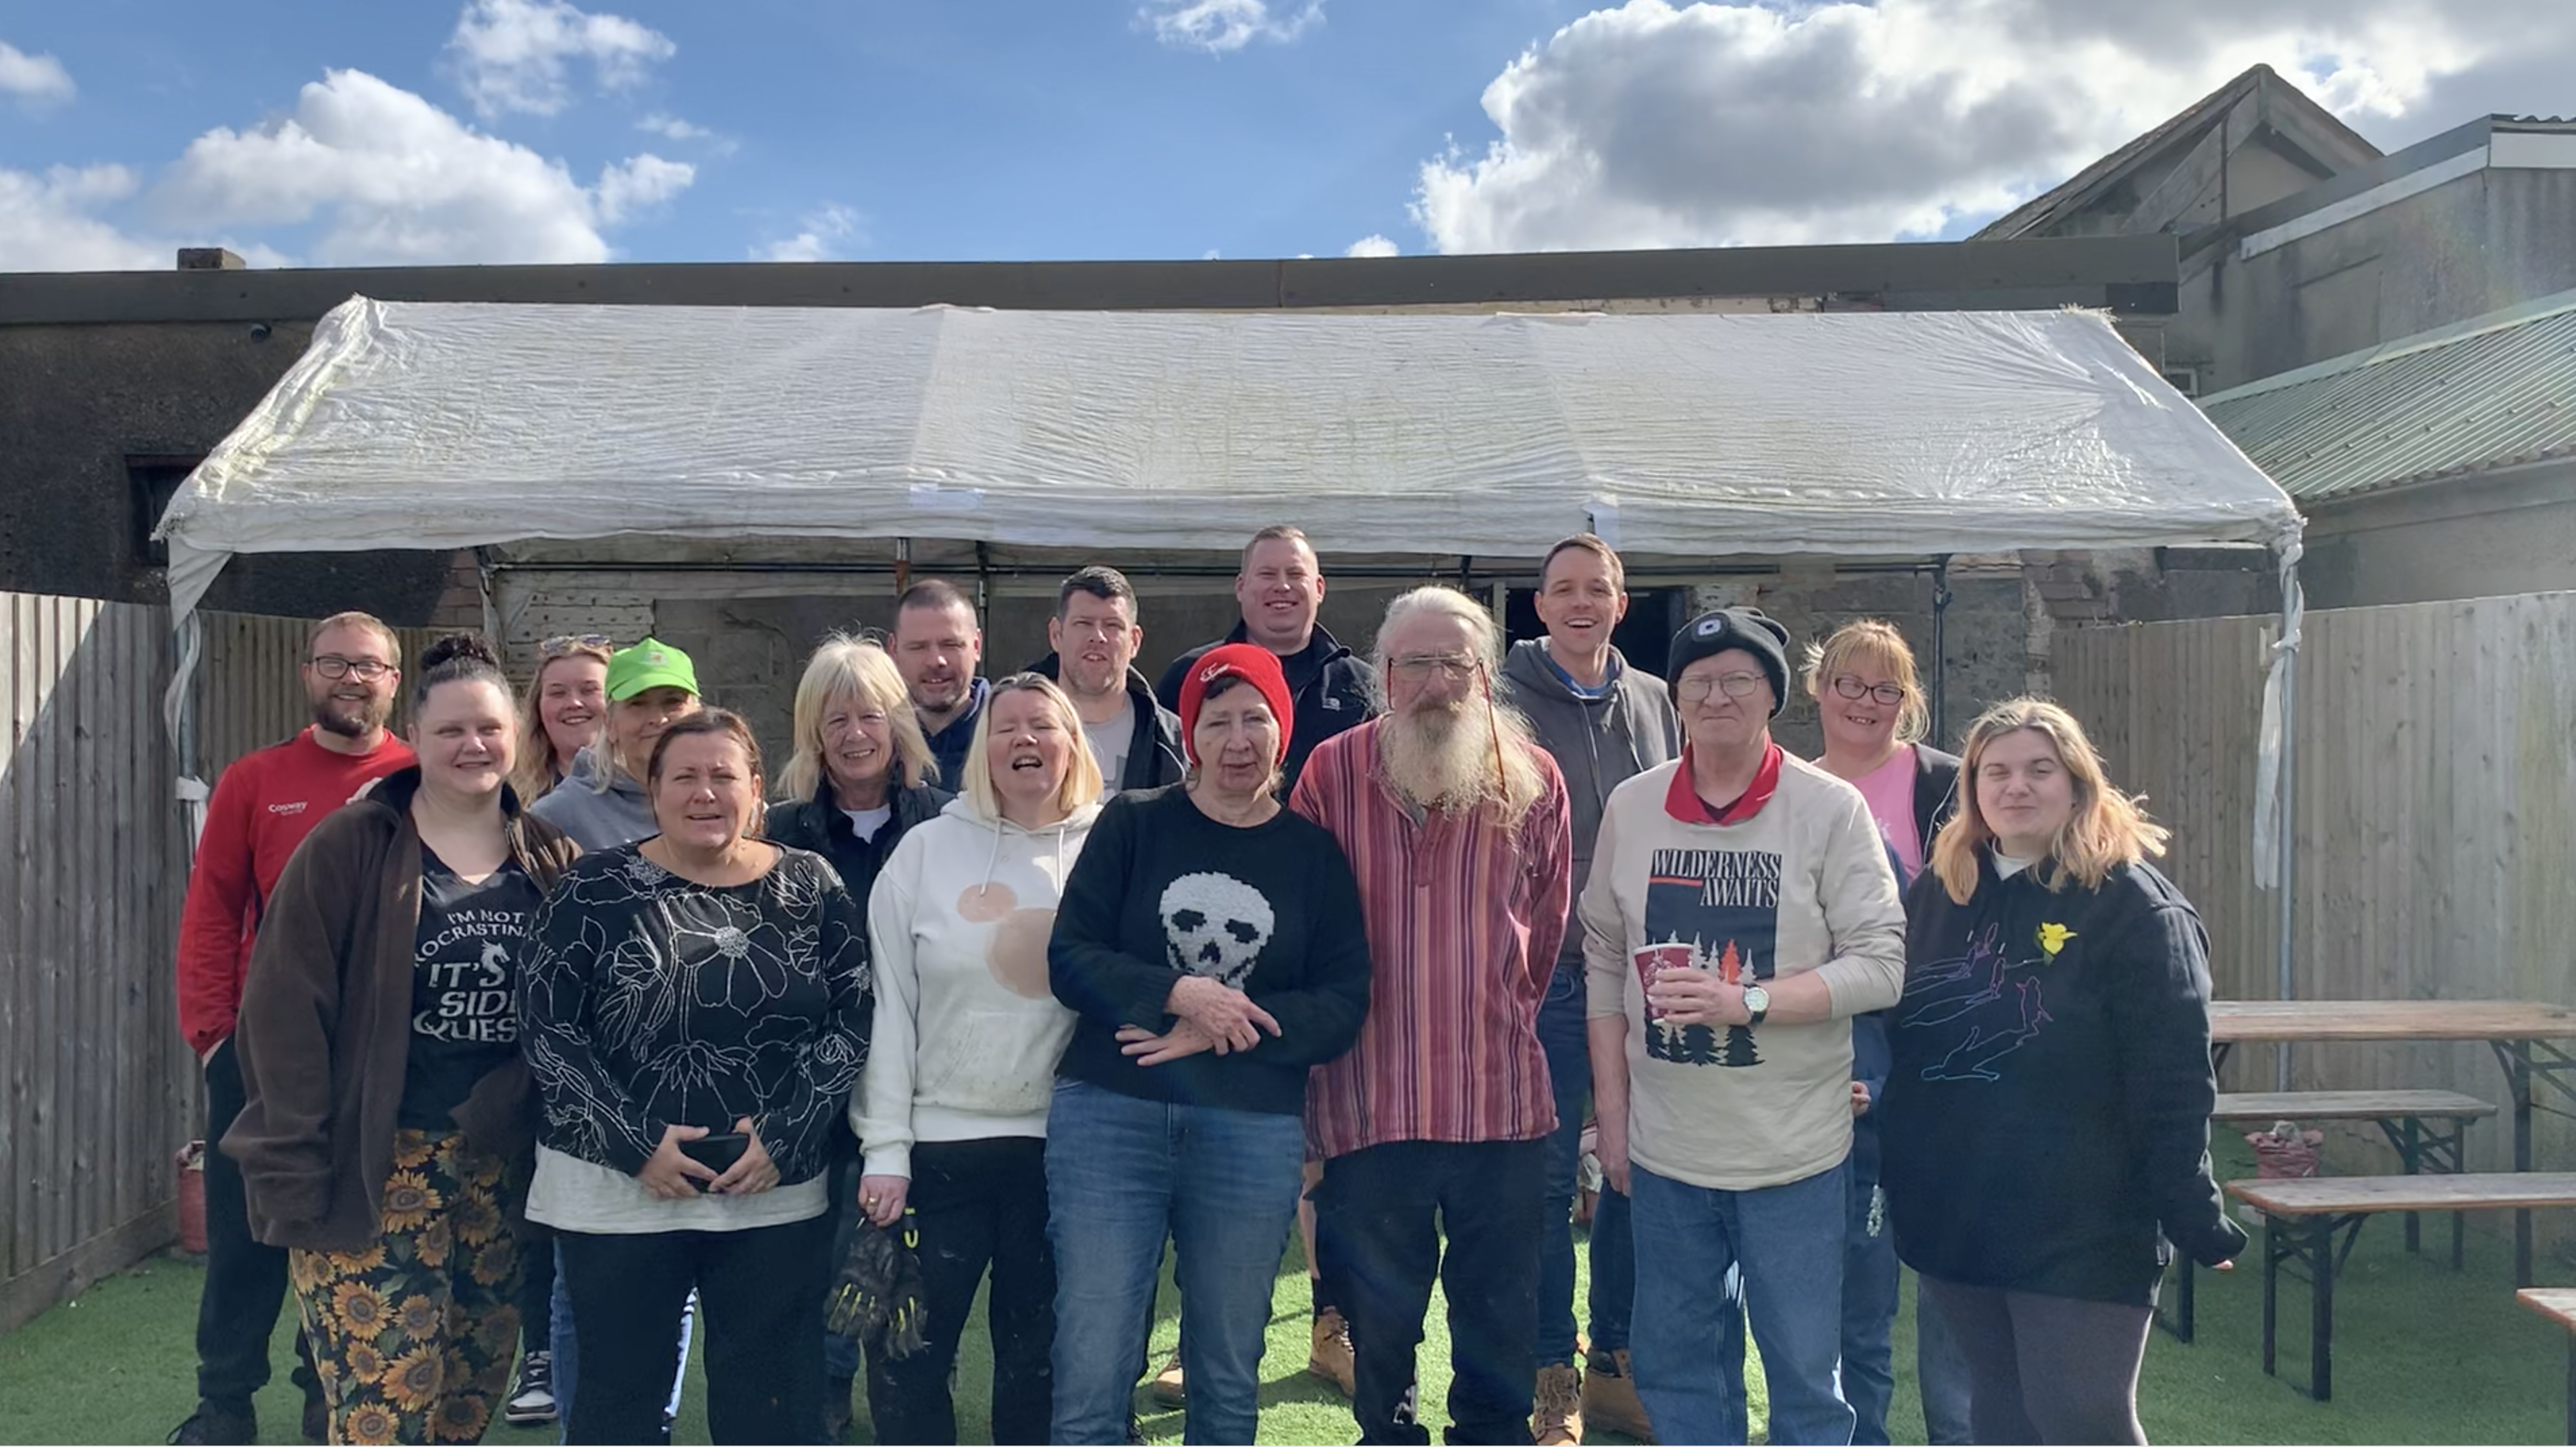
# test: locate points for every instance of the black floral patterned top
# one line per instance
(652, 1000)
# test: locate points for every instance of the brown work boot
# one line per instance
(1331, 1356)
(1610, 1397)
(1556, 1417)
(1168, 1387)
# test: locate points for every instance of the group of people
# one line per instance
(567, 1029)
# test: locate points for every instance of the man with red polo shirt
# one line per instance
(262, 808)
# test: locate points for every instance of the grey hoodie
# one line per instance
(1598, 743)
(597, 819)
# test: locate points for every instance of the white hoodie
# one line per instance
(967, 1031)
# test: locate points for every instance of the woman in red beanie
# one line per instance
(1211, 942)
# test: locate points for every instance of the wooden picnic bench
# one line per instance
(2314, 1221)
(2558, 1303)
(2428, 1128)
(2525, 1035)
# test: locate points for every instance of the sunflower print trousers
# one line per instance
(414, 1336)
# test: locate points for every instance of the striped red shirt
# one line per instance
(1464, 917)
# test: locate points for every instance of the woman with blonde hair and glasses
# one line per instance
(1871, 706)
(952, 1110)
(561, 713)
(857, 783)
(2046, 1128)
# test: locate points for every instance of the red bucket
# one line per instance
(192, 1198)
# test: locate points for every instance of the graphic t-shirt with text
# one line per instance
(464, 985)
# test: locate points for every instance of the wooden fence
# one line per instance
(97, 1090)
(2436, 814)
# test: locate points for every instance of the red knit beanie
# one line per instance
(1253, 664)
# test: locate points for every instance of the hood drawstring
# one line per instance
(993, 861)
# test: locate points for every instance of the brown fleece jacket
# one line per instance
(325, 1028)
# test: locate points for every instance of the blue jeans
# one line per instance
(1788, 1242)
(1614, 1260)
(1569, 1070)
(566, 1348)
(1122, 1173)
(1869, 1313)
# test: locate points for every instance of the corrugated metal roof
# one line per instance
(2487, 393)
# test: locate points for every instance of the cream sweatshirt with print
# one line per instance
(1803, 885)
(967, 1031)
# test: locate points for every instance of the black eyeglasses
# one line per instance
(1886, 693)
(365, 670)
(563, 643)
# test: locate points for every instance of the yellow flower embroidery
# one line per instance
(2052, 938)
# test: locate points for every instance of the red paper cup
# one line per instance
(1652, 961)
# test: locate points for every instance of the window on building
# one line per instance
(151, 481)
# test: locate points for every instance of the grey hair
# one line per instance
(1484, 634)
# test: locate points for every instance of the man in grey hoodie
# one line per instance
(1604, 722)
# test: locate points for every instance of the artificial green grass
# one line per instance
(2422, 1354)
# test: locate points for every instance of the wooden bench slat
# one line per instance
(2558, 1303)
(2351, 1105)
(2339, 1195)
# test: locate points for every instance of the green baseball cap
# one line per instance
(649, 664)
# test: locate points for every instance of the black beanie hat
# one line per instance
(1750, 629)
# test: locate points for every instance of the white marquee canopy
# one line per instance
(415, 425)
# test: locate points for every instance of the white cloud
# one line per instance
(1372, 245)
(1219, 26)
(36, 80)
(672, 128)
(47, 223)
(394, 180)
(1712, 124)
(514, 55)
(639, 184)
(820, 239)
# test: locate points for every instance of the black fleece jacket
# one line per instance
(1330, 684)
(2047, 1110)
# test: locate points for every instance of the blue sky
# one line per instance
(536, 130)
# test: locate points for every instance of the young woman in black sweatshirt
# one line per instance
(1211, 943)
(2046, 1128)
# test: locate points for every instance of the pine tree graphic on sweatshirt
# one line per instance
(1716, 910)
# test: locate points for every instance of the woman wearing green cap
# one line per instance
(602, 803)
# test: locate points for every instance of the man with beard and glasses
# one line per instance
(938, 647)
(1094, 634)
(1457, 826)
(263, 806)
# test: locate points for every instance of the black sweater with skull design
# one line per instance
(1162, 890)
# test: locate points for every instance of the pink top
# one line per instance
(1889, 789)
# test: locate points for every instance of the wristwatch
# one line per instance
(1757, 1003)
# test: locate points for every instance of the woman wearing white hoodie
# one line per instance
(952, 1109)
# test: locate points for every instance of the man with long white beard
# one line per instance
(1456, 824)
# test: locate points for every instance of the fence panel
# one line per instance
(96, 1088)
(97, 1091)
(2436, 818)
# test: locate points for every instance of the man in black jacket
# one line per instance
(1135, 740)
(1280, 590)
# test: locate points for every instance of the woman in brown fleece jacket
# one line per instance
(389, 1123)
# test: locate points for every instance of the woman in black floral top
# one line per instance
(695, 1013)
